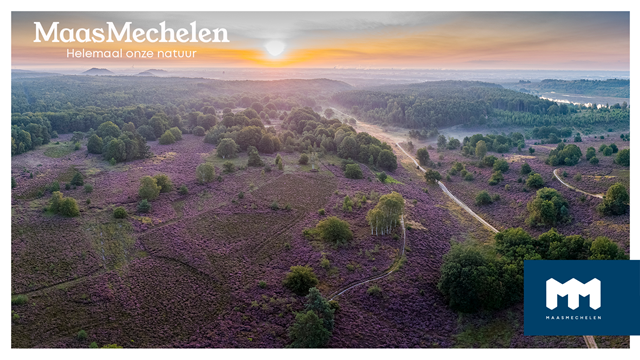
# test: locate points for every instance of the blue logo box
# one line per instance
(582, 297)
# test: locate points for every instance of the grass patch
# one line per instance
(58, 151)
(493, 333)
(391, 180)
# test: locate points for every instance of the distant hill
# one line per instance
(157, 71)
(146, 73)
(96, 71)
(611, 87)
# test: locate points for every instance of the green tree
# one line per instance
(77, 179)
(149, 188)
(525, 169)
(300, 279)
(348, 148)
(423, 156)
(334, 230)
(167, 138)
(94, 144)
(108, 128)
(308, 331)
(227, 148)
(304, 159)
(318, 304)
(432, 176)
(624, 157)
(501, 165)
(483, 198)
(387, 160)
(535, 181)
(205, 173)
(144, 206)
(177, 134)
(249, 136)
(115, 149)
(603, 248)
(254, 157)
(69, 207)
(615, 201)
(594, 161)
(198, 131)
(385, 216)
(13, 182)
(607, 151)
(481, 149)
(164, 182)
(353, 171)
(546, 208)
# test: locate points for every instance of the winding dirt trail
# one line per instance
(589, 340)
(555, 173)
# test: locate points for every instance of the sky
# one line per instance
(363, 40)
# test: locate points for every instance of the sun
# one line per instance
(275, 47)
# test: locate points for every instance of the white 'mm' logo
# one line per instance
(573, 288)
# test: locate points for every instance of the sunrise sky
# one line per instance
(419, 40)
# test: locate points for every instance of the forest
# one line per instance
(431, 105)
(610, 87)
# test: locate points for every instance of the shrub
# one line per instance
(55, 186)
(254, 157)
(144, 206)
(274, 206)
(333, 230)
(69, 207)
(603, 248)
(353, 171)
(88, 188)
(525, 169)
(77, 179)
(615, 201)
(594, 161)
(228, 167)
(177, 134)
(198, 131)
(149, 188)
(321, 211)
(241, 195)
(423, 156)
(374, 290)
(578, 177)
(489, 160)
(623, 158)
(13, 182)
(93, 345)
(167, 138)
(164, 182)
(262, 284)
(304, 159)
(119, 213)
(468, 177)
(300, 279)
(496, 177)
(112, 162)
(347, 204)
(206, 173)
(614, 148)
(483, 198)
(382, 176)
(432, 176)
(607, 151)
(82, 335)
(501, 165)
(535, 181)
(183, 190)
(19, 300)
